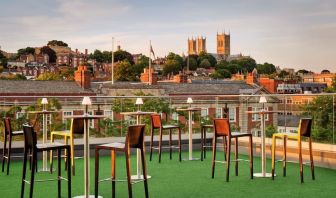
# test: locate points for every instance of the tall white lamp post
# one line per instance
(44, 102)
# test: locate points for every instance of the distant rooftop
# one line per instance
(24, 87)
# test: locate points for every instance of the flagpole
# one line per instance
(112, 63)
(150, 63)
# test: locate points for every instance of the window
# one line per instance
(204, 112)
(66, 114)
(108, 114)
(256, 116)
(174, 116)
(20, 114)
(232, 114)
(218, 112)
(91, 121)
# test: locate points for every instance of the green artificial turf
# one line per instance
(172, 178)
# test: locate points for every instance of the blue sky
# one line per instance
(290, 33)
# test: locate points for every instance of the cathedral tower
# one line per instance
(201, 45)
(192, 46)
(223, 44)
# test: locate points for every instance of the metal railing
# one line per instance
(287, 110)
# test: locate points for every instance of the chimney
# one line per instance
(118, 48)
(86, 52)
(83, 77)
(76, 51)
(145, 76)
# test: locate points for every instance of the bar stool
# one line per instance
(304, 130)
(30, 143)
(205, 128)
(222, 128)
(8, 134)
(134, 139)
(157, 124)
(76, 127)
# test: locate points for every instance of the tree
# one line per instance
(205, 64)
(283, 74)
(208, 56)
(3, 61)
(49, 76)
(57, 43)
(51, 53)
(266, 68)
(321, 109)
(192, 63)
(332, 88)
(121, 55)
(247, 64)
(176, 57)
(25, 51)
(123, 71)
(13, 77)
(221, 73)
(171, 66)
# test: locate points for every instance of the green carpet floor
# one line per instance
(183, 179)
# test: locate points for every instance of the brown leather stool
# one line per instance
(134, 139)
(30, 143)
(8, 134)
(222, 129)
(157, 124)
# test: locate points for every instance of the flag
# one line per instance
(152, 51)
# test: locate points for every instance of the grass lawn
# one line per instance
(172, 178)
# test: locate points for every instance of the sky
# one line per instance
(298, 34)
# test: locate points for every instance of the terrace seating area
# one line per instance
(136, 171)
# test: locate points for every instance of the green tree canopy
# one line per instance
(123, 71)
(205, 64)
(26, 51)
(247, 64)
(208, 56)
(49, 76)
(97, 55)
(192, 63)
(176, 57)
(121, 55)
(3, 61)
(57, 43)
(266, 68)
(221, 73)
(171, 66)
(13, 77)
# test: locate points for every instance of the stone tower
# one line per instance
(192, 46)
(201, 44)
(223, 44)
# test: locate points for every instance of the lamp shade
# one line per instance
(44, 101)
(189, 100)
(86, 101)
(262, 99)
(139, 101)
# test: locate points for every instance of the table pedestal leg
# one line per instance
(263, 151)
(44, 141)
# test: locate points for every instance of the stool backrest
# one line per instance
(30, 139)
(77, 126)
(305, 127)
(222, 127)
(156, 121)
(135, 136)
(8, 126)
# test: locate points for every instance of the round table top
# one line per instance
(43, 112)
(190, 109)
(262, 112)
(137, 113)
(86, 116)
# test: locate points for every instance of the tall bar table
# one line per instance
(190, 111)
(262, 114)
(86, 119)
(44, 114)
(138, 115)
